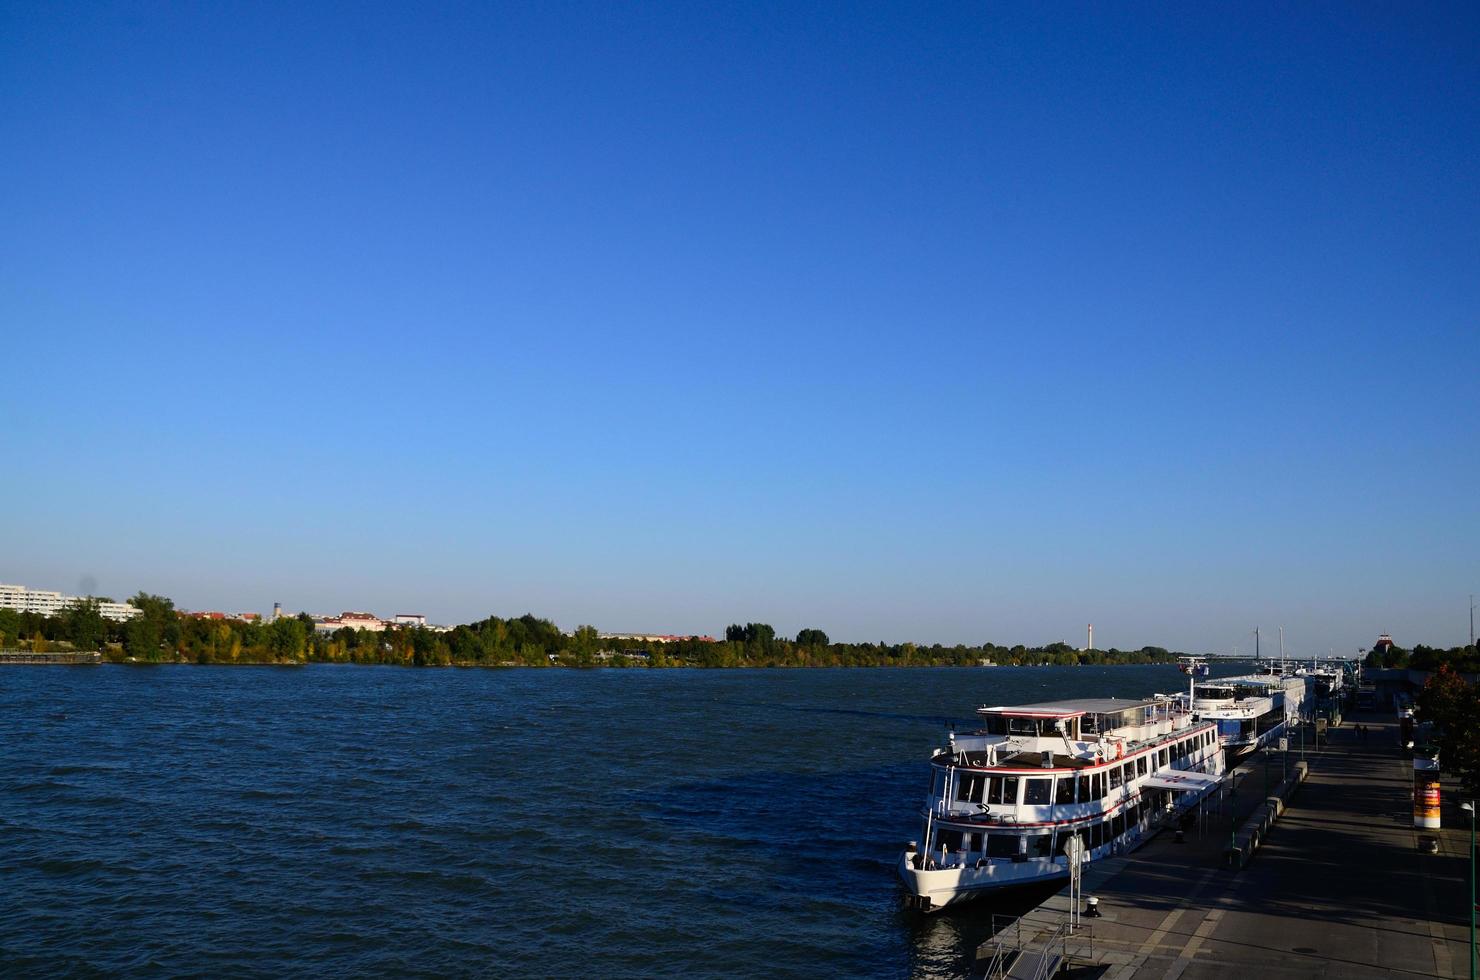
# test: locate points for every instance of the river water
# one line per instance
(175, 820)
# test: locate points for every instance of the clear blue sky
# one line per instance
(947, 323)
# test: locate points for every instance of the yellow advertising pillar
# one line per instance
(1425, 793)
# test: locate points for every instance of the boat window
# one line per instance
(1038, 792)
(976, 843)
(1003, 790)
(1084, 788)
(1064, 790)
(1097, 786)
(1061, 839)
(1022, 726)
(949, 840)
(937, 782)
(970, 787)
(1097, 835)
(1040, 845)
(1089, 725)
(1141, 766)
(1115, 778)
(1117, 825)
(994, 725)
(1163, 755)
(1002, 845)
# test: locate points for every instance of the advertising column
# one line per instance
(1425, 792)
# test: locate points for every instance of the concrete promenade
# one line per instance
(1339, 889)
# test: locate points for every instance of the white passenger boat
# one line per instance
(1006, 799)
(1327, 682)
(1250, 710)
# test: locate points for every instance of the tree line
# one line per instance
(1464, 659)
(160, 633)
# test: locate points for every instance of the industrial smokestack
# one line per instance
(1091, 637)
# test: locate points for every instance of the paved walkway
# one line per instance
(1338, 890)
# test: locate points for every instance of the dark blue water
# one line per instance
(351, 820)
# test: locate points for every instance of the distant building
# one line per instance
(351, 620)
(654, 637)
(245, 617)
(373, 623)
(1384, 643)
(20, 598)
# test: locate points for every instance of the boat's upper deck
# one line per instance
(1066, 734)
(1082, 718)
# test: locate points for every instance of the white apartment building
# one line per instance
(20, 598)
(354, 620)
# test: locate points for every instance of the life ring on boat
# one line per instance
(1119, 750)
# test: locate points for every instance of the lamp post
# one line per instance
(1470, 809)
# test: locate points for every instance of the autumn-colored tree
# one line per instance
(1453, 705)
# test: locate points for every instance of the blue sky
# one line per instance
(949, 324)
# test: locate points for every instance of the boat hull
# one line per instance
(932, 889)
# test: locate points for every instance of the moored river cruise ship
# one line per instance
(1006, 799)
(1250, 711)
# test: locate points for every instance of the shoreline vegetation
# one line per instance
(161, 634)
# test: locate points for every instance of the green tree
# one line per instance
(141, 638)
(584, 643)
(288, 638)
(10, 628)
(812, 638)
(157, 624)
(1453, 705)
(85, 625)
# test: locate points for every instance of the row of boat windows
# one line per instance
(1083, 726)
(974, 787)
(987, 844)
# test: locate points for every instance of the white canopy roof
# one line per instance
(1180, 781)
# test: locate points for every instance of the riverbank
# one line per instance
(116, 656)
